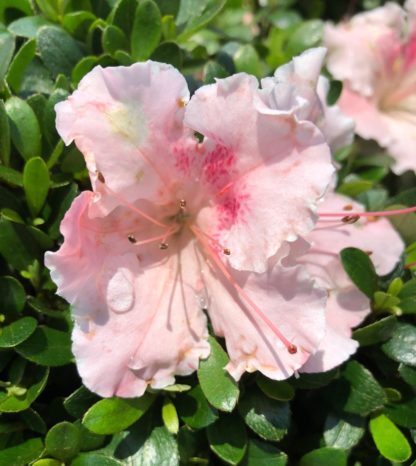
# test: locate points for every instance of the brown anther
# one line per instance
(181, 103)
(132, 239)
(226, 251)
(372, 219)
(350, 219)
(347, 207)
(292, 349)
(100, 177)
(368, 253)
(163, 246)
(182, 203)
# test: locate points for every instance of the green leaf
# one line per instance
(360, 269)
(276, 389)
(94, 459)
(23, 6)
(343, 431)
(147, 30)
(408, 374)
(212, 70)
(407, 297)
(63, 441)
(123, 15)
(247, 60)
(33, 381)
(47, 347)
(10, 176)
(308, 34)
(21, 454)
(49, 115)
(113, 39)
(58, 50)
(50, 8)
(195, 410)
(159, 449)
(168, 52)
(17, 332)
(219, 388)
(19, 65)
(401, 346)
(193, 16)
(47, 462)
(377, 332)
(5, 135)
(228, 438)
(13, 295)
(85, 65)
(403, 414)
(314, 381)
(358, 391)
(324, 457)
(24, 128)
(28, 26)
(7, 45)
(36, 184)
(34, 421)
(170, 416)
(115, 414)
(78, 403)
(263, 454)
(389, 440)
(266, 417)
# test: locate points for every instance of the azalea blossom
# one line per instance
(175, 228)
(374, 54)
(347, 306)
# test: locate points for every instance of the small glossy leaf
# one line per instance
(63, 441)
(170, 416)
(266, 417)
(324, 457)
(159, 448)
(401, 346)
(78, 403)
(36, 183)
(34, 421)
(47, 347)
(94, 459)
(10, 176)
(113, 39)
(47, 462)
(7, 45)
(168, 52)
(343, 431)
(24, 128)
(58, 50)
(195, 410)
(28, 26)
(389, 440)
(374, 333)
(408, 374)
(19, 64)
(402, 414)
(276, 389)
(247, 60)
(5, 135)
(308, 34)
(360, 269)
(147, 30)
(115, 414)
(17, 332)
(33, 381)
(228, 438)
(22, 453)
(263, 454)
(219, 388)
(12, 294)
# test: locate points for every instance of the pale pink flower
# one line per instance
(175, 227)
(299, 87)
(374, 54)
(347, 306)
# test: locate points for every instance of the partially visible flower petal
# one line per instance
(123, 119)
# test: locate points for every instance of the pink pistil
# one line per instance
(386, 213)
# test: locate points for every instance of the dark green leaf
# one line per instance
(168, 52)
(324, 457)
(10, 176)
(94, 459)
(47, 347)
(408, 374)
(263, 454)
(276, 389)
(401, 346)
(266, 417)
(247, 60)
(12, 294)
(374, 333)
(7, 45)
(195, 410)
(115, 414)
(21, 454)
(343, 431)
(24, 128)
(34, 421)
(219, 388)
(36, 184)
(58, 50)
(78, 403)
(360, 269)
(63, 441)
(147, 30)
(19, 65)
(389, 440)
(308, 34)
(28, 26)
(113, 39)
(403, 414)
(228, 438)
(17, 332)
(5, 135)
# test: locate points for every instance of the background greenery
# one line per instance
(361, 414)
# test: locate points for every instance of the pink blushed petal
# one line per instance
(290, 300)
(124, 119)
